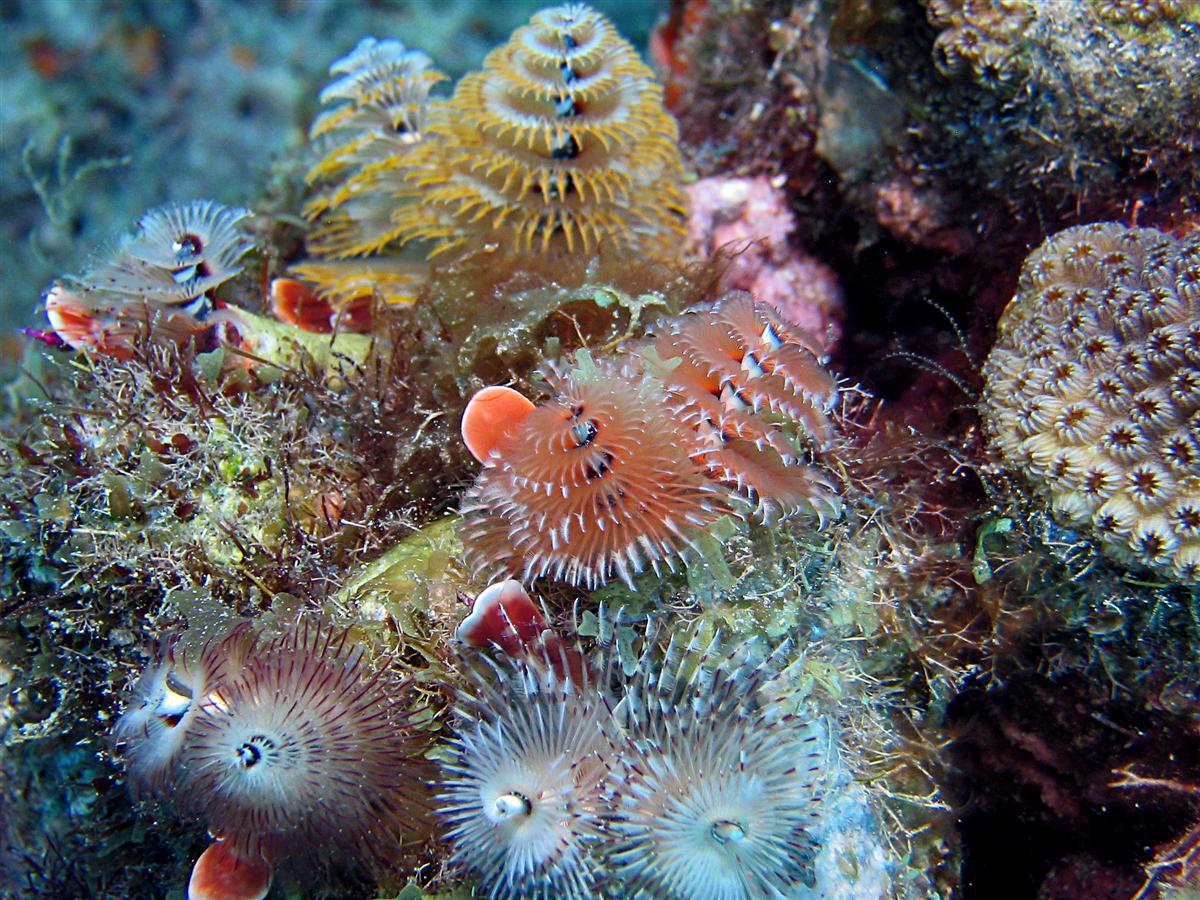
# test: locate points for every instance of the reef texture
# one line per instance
(930, 144)
(876, 630)
(1093, 390)
(751, 218)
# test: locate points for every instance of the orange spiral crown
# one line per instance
(593, 485)
(759, 400)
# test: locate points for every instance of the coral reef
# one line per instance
(112, 110)
(1092, 390)
(1062, 88)
(916, 179)
(822, 606)
(195, 485)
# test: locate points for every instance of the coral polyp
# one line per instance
(522, 792)
(594, 485)
(1092, 391)
(759, 400)
(716, 791)
(306, 748)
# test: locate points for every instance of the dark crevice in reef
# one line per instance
(1036, 762)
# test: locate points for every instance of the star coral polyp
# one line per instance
(1093, 390)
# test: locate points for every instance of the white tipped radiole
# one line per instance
(522, 794)
(687, 780)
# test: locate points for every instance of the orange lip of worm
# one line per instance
(491, 419)
(221, 875)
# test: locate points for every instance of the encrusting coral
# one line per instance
(1055, 95)
(997, 40)
(751, 220)
(1092, 391)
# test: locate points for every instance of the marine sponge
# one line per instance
(304, 747)
(1092, 390)
(758, 398)
(561, 142)
(522, 793)
(716, 790)
(595, 484)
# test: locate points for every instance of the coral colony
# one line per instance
(461, 528)
(1093, 389)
